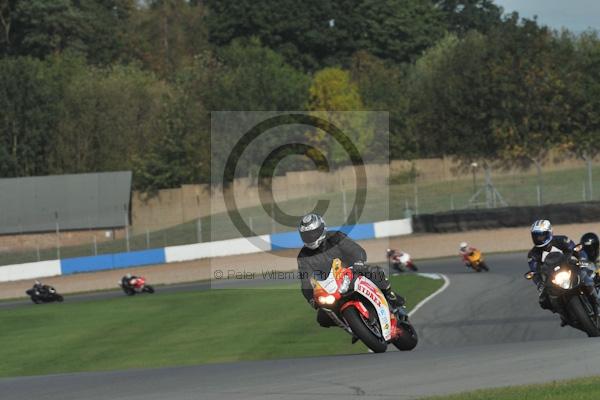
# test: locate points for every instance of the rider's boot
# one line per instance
(543, 299)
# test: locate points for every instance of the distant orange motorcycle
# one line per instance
(476, 261)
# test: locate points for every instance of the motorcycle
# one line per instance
(567, 294)
(136, 286)
(477, 262)
(359, 307)
(45, 294)
(401, 261)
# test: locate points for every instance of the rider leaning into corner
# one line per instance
(544, 242)
(321, 248)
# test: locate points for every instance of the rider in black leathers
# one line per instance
(544, 243)
(321, 248)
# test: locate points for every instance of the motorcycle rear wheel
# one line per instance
(578, 312)
(360, 329)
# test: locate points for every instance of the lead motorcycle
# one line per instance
(44, 294)
(359, 307)
(567, 294)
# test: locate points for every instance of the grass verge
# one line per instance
(578, 389)
(174, 329)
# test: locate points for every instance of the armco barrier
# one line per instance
(506, 217)
(291, 240)
(218, 249)
(393, 228)
(29, 271)
(112, 261)
(278, 241)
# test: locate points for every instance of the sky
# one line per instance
(575, 15)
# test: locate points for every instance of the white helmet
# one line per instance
(541, 232)
(463, 246)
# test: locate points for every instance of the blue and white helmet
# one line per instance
(541, 232)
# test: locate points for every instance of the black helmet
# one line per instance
(590, 244)
(312, 230)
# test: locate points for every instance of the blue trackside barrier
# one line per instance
(112, 261)
(291, 240)
(278, 241)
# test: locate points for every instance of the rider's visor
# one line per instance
(540, 238)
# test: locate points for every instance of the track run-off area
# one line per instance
(482, 330)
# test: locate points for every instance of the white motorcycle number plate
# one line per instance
(329, 284)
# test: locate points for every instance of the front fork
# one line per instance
(338, 321)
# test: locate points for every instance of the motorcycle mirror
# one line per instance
(529, 275)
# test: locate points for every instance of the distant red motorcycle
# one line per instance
(400, 261)
(135, 285)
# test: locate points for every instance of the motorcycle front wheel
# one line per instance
(408, 340)
(59, 298)
(362, 331)
(148, 289)
(579, 313)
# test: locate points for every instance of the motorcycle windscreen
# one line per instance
(329, 284)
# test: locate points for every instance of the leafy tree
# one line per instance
(180, 155)
(308, 34)
(315, 34)
(40, 28)
(580, 58)
(382, 87)
(333, 91)
(530, 91)
(461, 16)
(398, 30)
(166, 35)
(30, 104)
(450, 107)
(247, 76)
(109, 118)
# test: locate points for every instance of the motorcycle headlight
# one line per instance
(345, 285)
(329, 299)
(562, 279)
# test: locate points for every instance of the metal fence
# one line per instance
(391, 202)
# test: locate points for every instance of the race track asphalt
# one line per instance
(484, 330)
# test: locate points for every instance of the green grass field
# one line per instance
(174, 329)
(579, 389)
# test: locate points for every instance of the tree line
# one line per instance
(101, 85)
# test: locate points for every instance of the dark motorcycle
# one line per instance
(567, 294)
(136, 285)
(44, 294)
